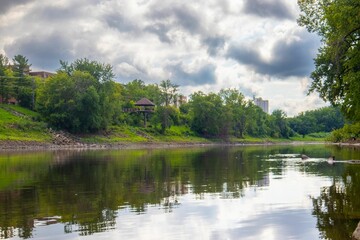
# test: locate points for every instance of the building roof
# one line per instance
(144, 102)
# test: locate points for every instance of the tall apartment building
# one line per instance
(263, 104)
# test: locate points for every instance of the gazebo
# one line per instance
(146, 107)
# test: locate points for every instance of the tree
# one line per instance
(337, 66)
(325, 119)
(236, 105)
(257, 124)
(168, 92)
(209, 115)
(100, 71)
(281, 124)
(166, 116)
(80, 101)
(5, 83)
(24, 87)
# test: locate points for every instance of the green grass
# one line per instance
(21, 127)
(20, 124)
(312, 137)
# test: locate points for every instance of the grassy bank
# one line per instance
(22, 125)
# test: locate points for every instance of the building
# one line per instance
(263, 104)
(41, 74)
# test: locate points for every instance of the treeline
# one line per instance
(83, 97)
(14, 82)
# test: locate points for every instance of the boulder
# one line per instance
(356, 233)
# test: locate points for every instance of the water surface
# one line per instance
(251, 192)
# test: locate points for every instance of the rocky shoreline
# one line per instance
(64, 140)
(72, 144)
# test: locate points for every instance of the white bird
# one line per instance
(331, 160)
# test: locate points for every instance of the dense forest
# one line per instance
(82, 97)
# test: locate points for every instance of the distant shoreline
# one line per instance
(29, 145)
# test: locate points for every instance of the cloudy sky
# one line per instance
(255, 46)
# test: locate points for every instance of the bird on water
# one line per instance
(304, 157)
(331, 160)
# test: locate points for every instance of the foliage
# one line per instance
(5, 82)
(337, 73)
(208, 115)
(349, 132)
(100, 71)
(79, 102)
(82, 98)
(280, 124)
(166, 116)
(168, 92)
(24, 87)
(325, 119)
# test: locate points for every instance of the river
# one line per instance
(242, 192)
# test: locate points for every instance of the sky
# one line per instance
(255, 46)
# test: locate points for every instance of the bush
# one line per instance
(349, 132)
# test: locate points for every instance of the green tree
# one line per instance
(324, 119)
(24, 87)
(280, 123)
(100, 71)
(5, 83)
(168, 92)
(257, 124)
(166, 116)
(78, 102)
(209, 115)
(236, 107)
(337, 72)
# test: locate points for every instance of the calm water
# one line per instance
(198, 193)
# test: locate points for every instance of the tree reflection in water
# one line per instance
(88, 191)
(338, 207)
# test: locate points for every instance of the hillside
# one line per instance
(20, 127)
(20, 124)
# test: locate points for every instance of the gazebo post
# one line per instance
(145, 115)
(146, 106)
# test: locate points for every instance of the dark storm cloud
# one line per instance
(50, 14)
(204, 75)
(183, 16)
(214, 44)
(43, 52)
(161, 30)
(265, 8)
(6, 5)
(120, 22)
(287, 59)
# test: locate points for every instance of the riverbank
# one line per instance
(33, 145)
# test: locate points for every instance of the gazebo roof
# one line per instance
(144, 102)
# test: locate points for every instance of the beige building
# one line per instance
(263, 104)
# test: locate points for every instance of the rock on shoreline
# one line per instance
(356, 233)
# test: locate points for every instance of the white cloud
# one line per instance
(200, 45)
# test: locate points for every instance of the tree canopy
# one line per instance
(81, 97)
(337, 66)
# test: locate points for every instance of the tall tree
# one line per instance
(80, 101)
(337, 65)
(236, 105)
(100, 71)
(24, 87)
(209, 115)
(168, 92)
(5, 83)
(280, 123)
